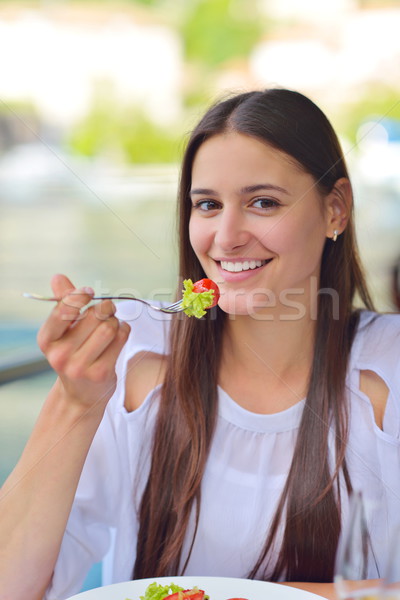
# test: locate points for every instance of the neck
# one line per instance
(282, 343)
(265, 355)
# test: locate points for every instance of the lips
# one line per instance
(239, 266)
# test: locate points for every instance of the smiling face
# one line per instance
(258, 223)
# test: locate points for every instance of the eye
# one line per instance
(265, 203)
(206, 205)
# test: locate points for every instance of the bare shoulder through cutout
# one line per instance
(145, 371)
(373, 386)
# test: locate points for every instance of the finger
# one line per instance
(82, 329)
(93, 347)
(104, 366)
(61, 350)
(64, 289)
(96, 358)
(69, 310)
(61, 285)
(63, 315)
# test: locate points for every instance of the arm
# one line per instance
(36, 500)
(327, 590)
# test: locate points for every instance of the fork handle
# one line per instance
(171, 309)
(55, 299)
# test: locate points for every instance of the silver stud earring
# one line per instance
(335, 235)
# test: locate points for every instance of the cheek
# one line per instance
(283, 238)
(297, 235)
(199, 235)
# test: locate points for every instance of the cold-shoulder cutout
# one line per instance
(375, 388)
(145, 371)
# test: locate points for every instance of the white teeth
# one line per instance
(237, 267)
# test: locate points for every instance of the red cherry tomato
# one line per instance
(204, 285)
(186, 595)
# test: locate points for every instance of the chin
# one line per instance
(237, 305)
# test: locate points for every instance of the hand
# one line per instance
(82, 347)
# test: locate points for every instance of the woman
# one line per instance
(230, 444)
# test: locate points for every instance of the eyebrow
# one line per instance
(244, 190)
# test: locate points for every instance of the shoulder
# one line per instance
(145, 371)
(377, 357)
(143, 364)
(149, 328)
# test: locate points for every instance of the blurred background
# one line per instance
(96, 98)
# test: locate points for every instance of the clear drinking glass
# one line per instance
(391, 579)
(351, 565)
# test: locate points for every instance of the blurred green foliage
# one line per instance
(213, 32)
(216, 31)
(216, 35)
(126, 133)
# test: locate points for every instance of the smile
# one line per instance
(246, 265)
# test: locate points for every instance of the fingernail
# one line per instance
(87, 290)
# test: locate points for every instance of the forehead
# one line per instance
(241, 156)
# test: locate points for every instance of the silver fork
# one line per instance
(176, 307)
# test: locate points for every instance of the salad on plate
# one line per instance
(156, 591)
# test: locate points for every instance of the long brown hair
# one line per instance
(186, 419)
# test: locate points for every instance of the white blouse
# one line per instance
(244, 477)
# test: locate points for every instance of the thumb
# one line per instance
(61, 285)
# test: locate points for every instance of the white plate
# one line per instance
(218, 588)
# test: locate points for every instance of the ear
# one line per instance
(338, 205)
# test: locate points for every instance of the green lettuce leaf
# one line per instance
(155, 591)
(195, 303)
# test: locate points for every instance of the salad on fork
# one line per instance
(197, 298)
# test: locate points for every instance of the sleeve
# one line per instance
(380, 352)
(149, 328)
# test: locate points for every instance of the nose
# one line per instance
(231, 231)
